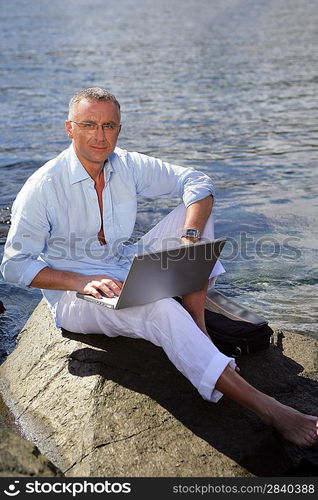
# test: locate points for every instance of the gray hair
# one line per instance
(92, 94)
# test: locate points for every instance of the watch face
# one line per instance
(192, 233)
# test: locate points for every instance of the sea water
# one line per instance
(229, 88)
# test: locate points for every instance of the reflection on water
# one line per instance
(228, 87)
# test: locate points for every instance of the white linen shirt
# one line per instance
(56, 215)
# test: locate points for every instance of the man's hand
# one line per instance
(188, 241)
(92, 285)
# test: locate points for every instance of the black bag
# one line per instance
(234, 329)
(234, 338)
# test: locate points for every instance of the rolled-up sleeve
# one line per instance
(26, 239)
(155, 177)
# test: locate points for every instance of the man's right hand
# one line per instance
(92, 285)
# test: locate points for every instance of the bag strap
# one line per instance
(219, 303)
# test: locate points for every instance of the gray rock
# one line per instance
(117, 407)
(19, 458)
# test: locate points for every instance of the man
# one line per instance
(68, 225)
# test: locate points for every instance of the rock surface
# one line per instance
(117, 407)
(19, 458)
(2, 308)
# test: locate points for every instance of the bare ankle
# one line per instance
(267, 411)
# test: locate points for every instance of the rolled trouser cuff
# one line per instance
(211, 375)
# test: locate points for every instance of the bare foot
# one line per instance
(297, 427)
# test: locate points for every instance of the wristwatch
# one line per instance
(191, 233)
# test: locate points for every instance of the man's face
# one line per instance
(93, 147)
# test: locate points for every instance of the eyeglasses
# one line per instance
(93, 127)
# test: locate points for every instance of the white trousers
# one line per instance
(165, 322)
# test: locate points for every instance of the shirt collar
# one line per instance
(78, 172)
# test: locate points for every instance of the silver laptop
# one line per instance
(165, 273)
